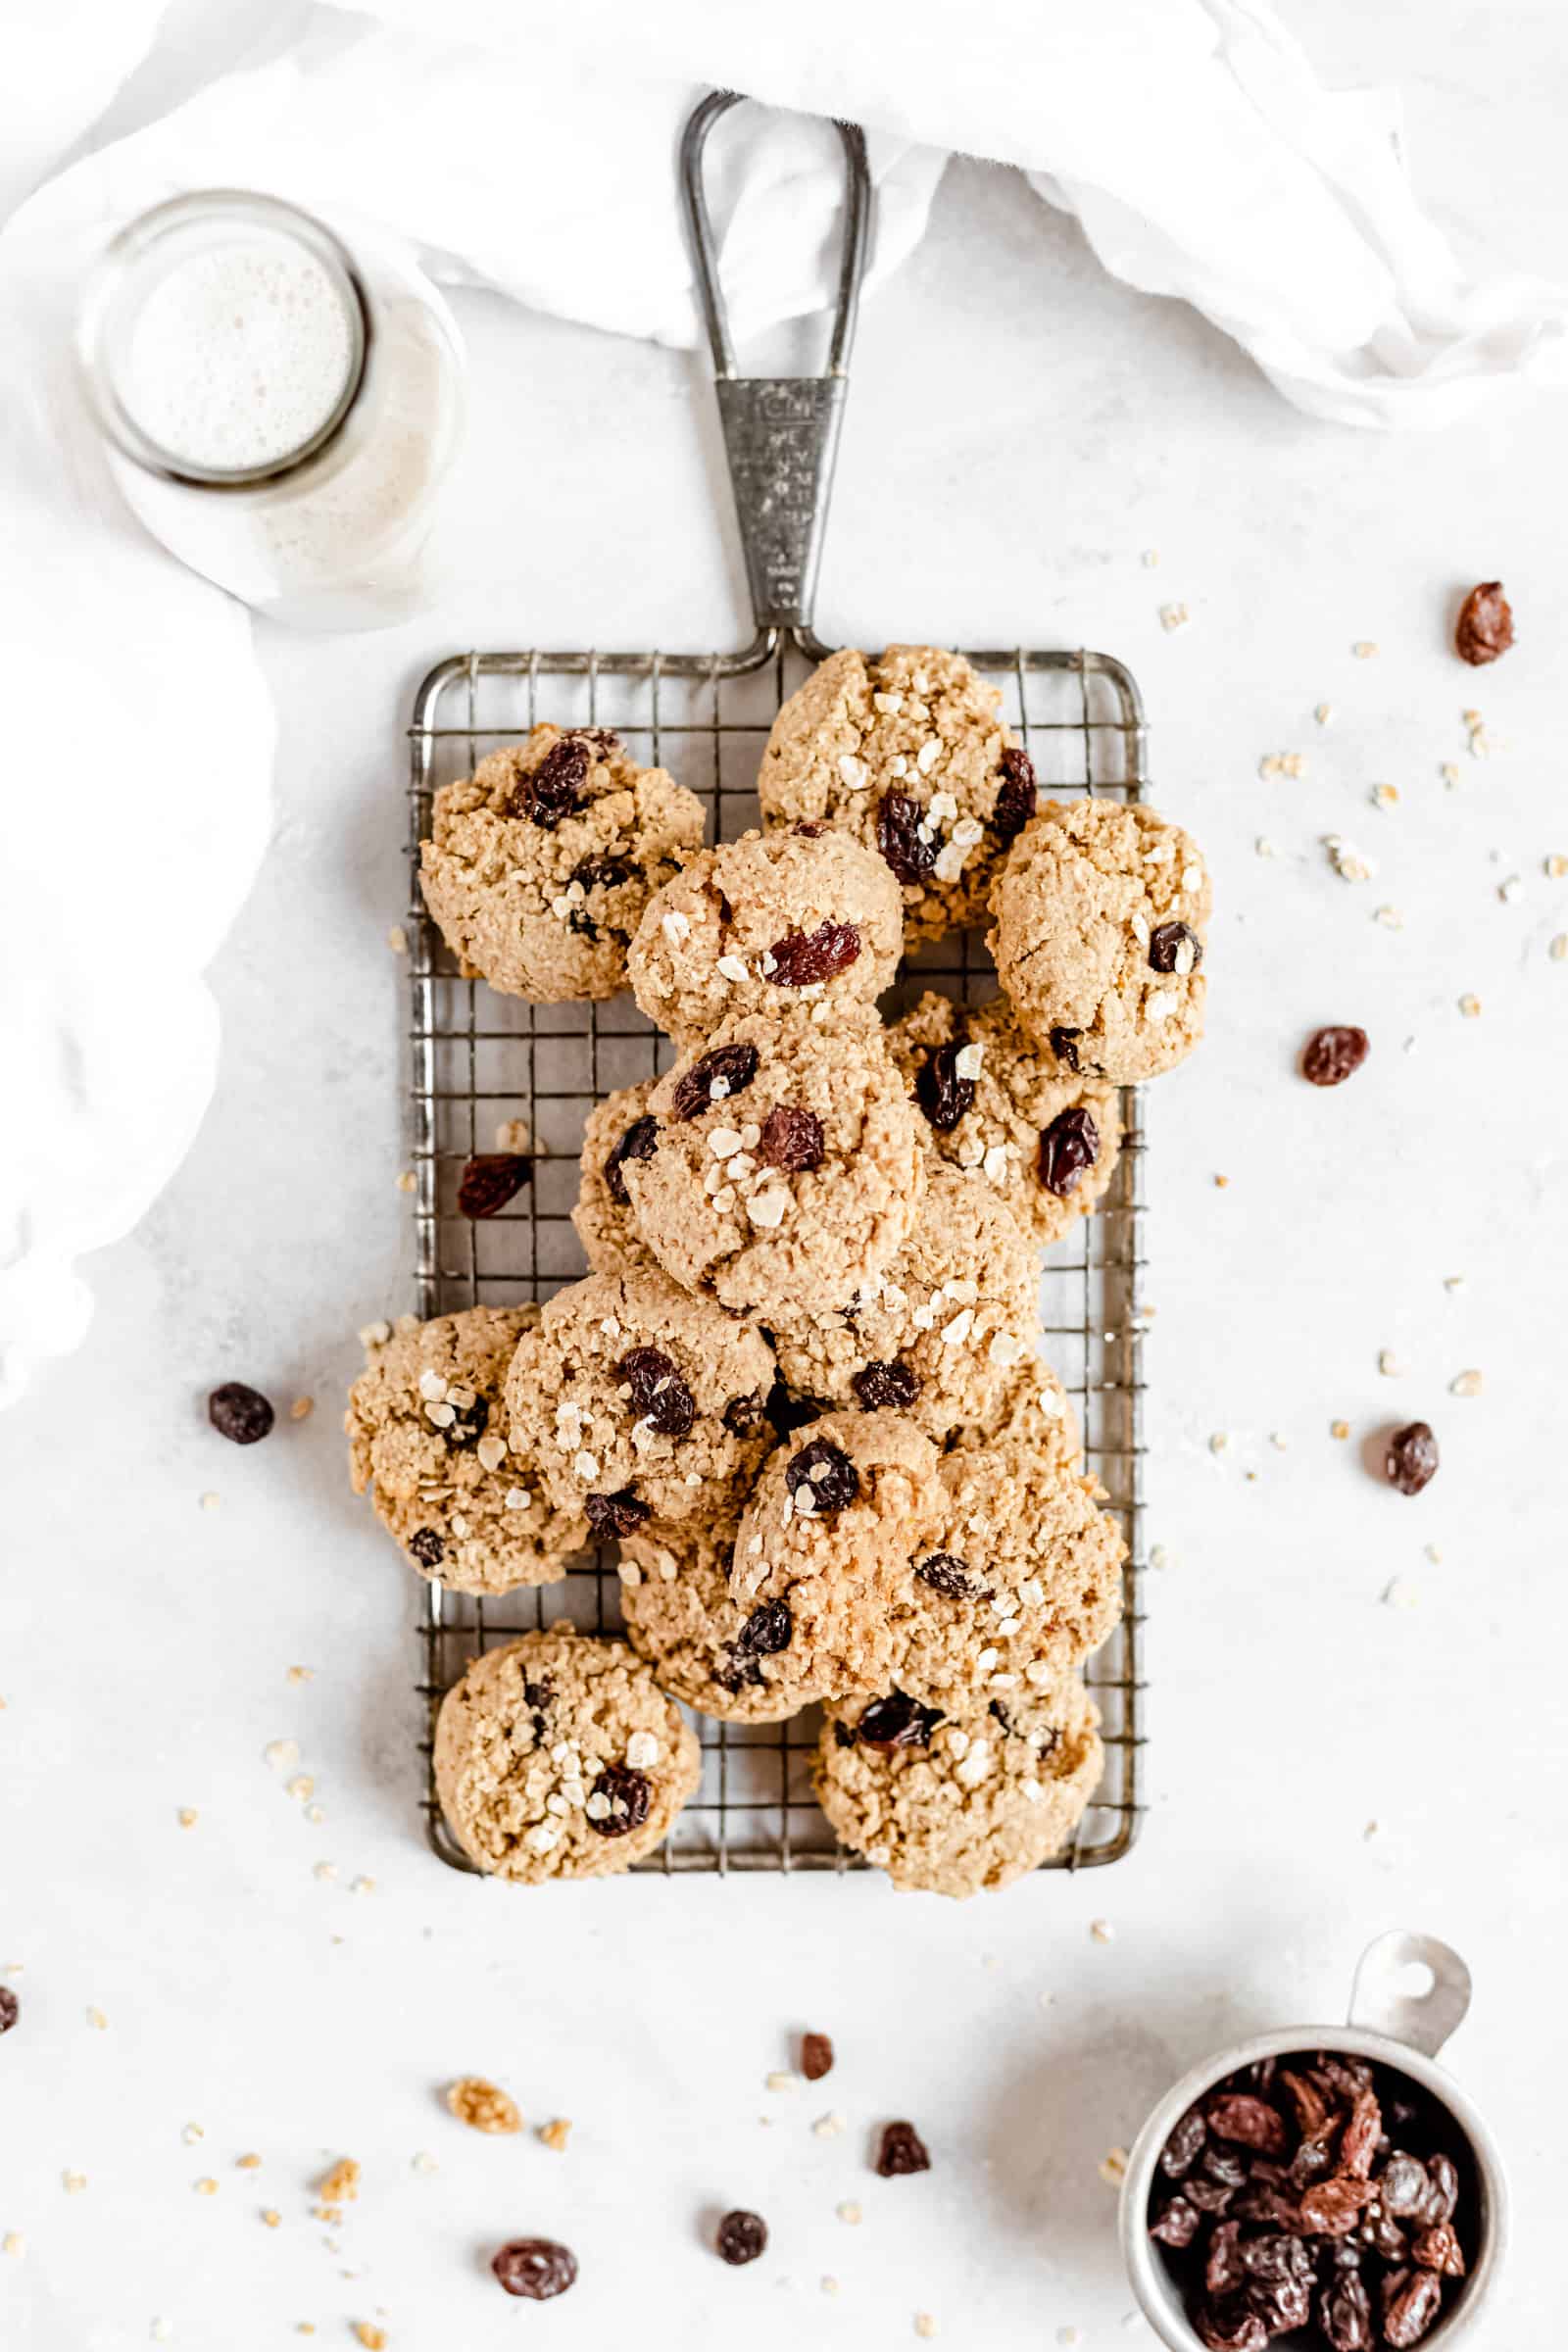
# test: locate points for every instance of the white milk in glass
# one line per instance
(282, 415)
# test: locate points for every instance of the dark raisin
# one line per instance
(1228, 2166)
(1344, 2314)
(811, 830)
(769, 1628)
(1331, 1055)
(1485, 628)
(826, 1472)
(1411, 2307)
(1251, 2122)
(468, 1425)
(428, 1547)
(10, 2008)
(579, 921)
(1404, 2186)
(743, 1415)
(1410, 1460)
(1208, 2195)
(602, 874)
(1333, 2208)
(1165, 946)
(802, 959)
(1444, 2196)
(1176, 2224)
(898, 838)
(1064, 1046)
(1223, 2271)
(843, 1736)
(489, 1181)
(537, 1697)
(1358, 2142)
(555, 788)
(630, 1793)
(791, 1139)
(787, 1413)
(1016, 794)
(612, 1515)
(536, 2268)
(239, 1413)
(1230, 2328)
(1307, 2103)
(880, 1387)
(1387, 2239)
(658, 1390)
(816, 2056)
(945, 1574)
(1184, 2147)
(897, 1721)
(1068, 1148)
(1438, 2249)
(742, 2237)
(640, 1142)
(727, 1071)
(902, 2151)
(942, 1094)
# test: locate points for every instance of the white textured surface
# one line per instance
(1020, 432)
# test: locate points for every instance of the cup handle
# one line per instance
(1380, 2004)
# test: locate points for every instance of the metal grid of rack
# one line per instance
(479, 1063)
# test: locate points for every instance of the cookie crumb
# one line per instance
(1173, 617)
(1401, 1593)
(302, 1674)
(408, 1182)
(1465, 1384)
(1323, 713)
(97, 2020)
(1389, 1365)
(372, 2338)
(191, 2133)
(362, 1885)
(1340, 1430)
(396, 939)
(483, 2105)
(73, 2183)
(782, 2079)
(1470, 1007)
(302, 1408)
(1384, 796)
(1114, 2167)
(830, 2286)
(324, 1871)
(423, 2162)
(14, 2245)
(556, 2135)
(1102, 1931)
(340, 2185)
(281, 1754)
(270, 2216)
(206, 2186)
(829, 2125)
(1219, 1441)
(925, 2323)
(161, 2331)
(1558, 950)
(187, 1817)
(210, 1502)
(849, 2211)
(1365, 649)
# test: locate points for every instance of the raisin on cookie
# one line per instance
(799, 914)
(640, 1401)
(906, 752)
(427, 1438)
(617, 1129)
(937, 1335)
(1099, 937)
(558, 1757)
(539, 865)
(958, 1802)
(788, 1169)
(990, 1100)
(682, 1617)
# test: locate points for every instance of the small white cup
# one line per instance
(1396, 2029)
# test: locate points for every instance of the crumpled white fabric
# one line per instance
(531, 148)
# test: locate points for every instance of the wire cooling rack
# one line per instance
(480, 1061)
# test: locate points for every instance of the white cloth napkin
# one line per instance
(531, 149)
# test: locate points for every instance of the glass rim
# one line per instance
(140, 238)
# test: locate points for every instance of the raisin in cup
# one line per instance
(1395, 2028)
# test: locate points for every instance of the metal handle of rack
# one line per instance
(781, 432)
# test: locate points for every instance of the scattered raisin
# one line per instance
(240, 1413)
(1410, 1460)
(791, 1139)
(816, 2056)
(556, 786)
(612, 1515)
(898, 838)
(630, 1795)
(1165, 946)
(1485, 628)
(742, 2237)
(640, 1142)
(897, 1721)
(826, 1471)
(1068, 1148)
(880, 1387)
(902, 2151)
(658, 1390)
(10, 2008)
(769, 1628)
(1249, 2121)
(729, 1068)
(536, 2268)
(489, 1180)
(428, 1547)
(1064, 1046)
(743, 1413)
(802, 959)
(945, 1574)
(1331, 1055)
(941, 1093)
(1016, 794)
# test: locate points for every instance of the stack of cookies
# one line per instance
(800, 1392)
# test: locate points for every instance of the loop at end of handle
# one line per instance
(1414, 1989)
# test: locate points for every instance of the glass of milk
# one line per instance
(280, 414)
